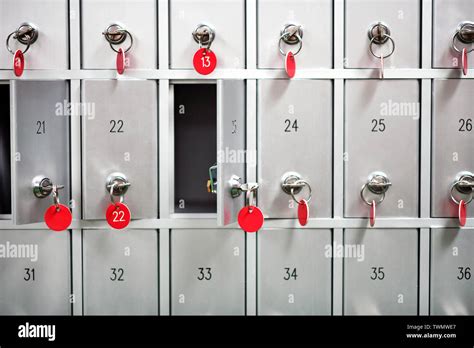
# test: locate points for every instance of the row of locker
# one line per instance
(305, 27)
(295, 126)
(119, 142)
(120, 272)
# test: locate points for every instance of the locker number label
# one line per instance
(377, 273)
(204, 61)
(204, 273)
(290, 273)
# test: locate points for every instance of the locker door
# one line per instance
(315, 19)
(40, 145)
(452, 265)
(381, 141)
(401, 17)
(139, 18)
(120, 272)
(293, 117)
(230, 147)
(225, 17)
(382, 278)
(207, 272)
(452, 144)
(447, 16)
(294, 272)
(35, 273)
(120, 139)
(50, 17)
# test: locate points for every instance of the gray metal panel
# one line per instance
(447, 14)
(305, 250)
(394, 151)
(403, 19)
(139, 17)
(452, 150)
(315, 17)
(48, 253)
(221, 250)
(38, 151)
(395, 250)
(452, 289)
(134, 251)
(230, 147)
(227, 17)
(50, 51)
(310, 103)
(133, 152)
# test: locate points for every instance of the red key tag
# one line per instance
(118, 215)
(381, 70)
(462, 213)
(372, 214)
(18, 63)
(58, 218)
(120, 61)
(303, 212)
(204, 61)
(250, 219)
(290, 64)
(464, 61)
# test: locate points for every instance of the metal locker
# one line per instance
(207, 272)
(137, 18)
(294, 272)
(400, 20)
(315, 20)
(225, 17)
(452, 265)
(203, 145)
(35, 273)
(293, 117)
(40, 145)
(120, 272)
(120, 140)
(381, 147)
(50, 18)
(452, 144)
(448, 15)
(5, 157)
(380, 272)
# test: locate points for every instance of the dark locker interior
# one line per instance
(194, 146)
(5, 174)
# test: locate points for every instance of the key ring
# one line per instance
(26, 34)
(369, 203)
(117, 37)
(454, 186)
(291, 38)
(462, 29)
(372, 41)
(303, 183)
